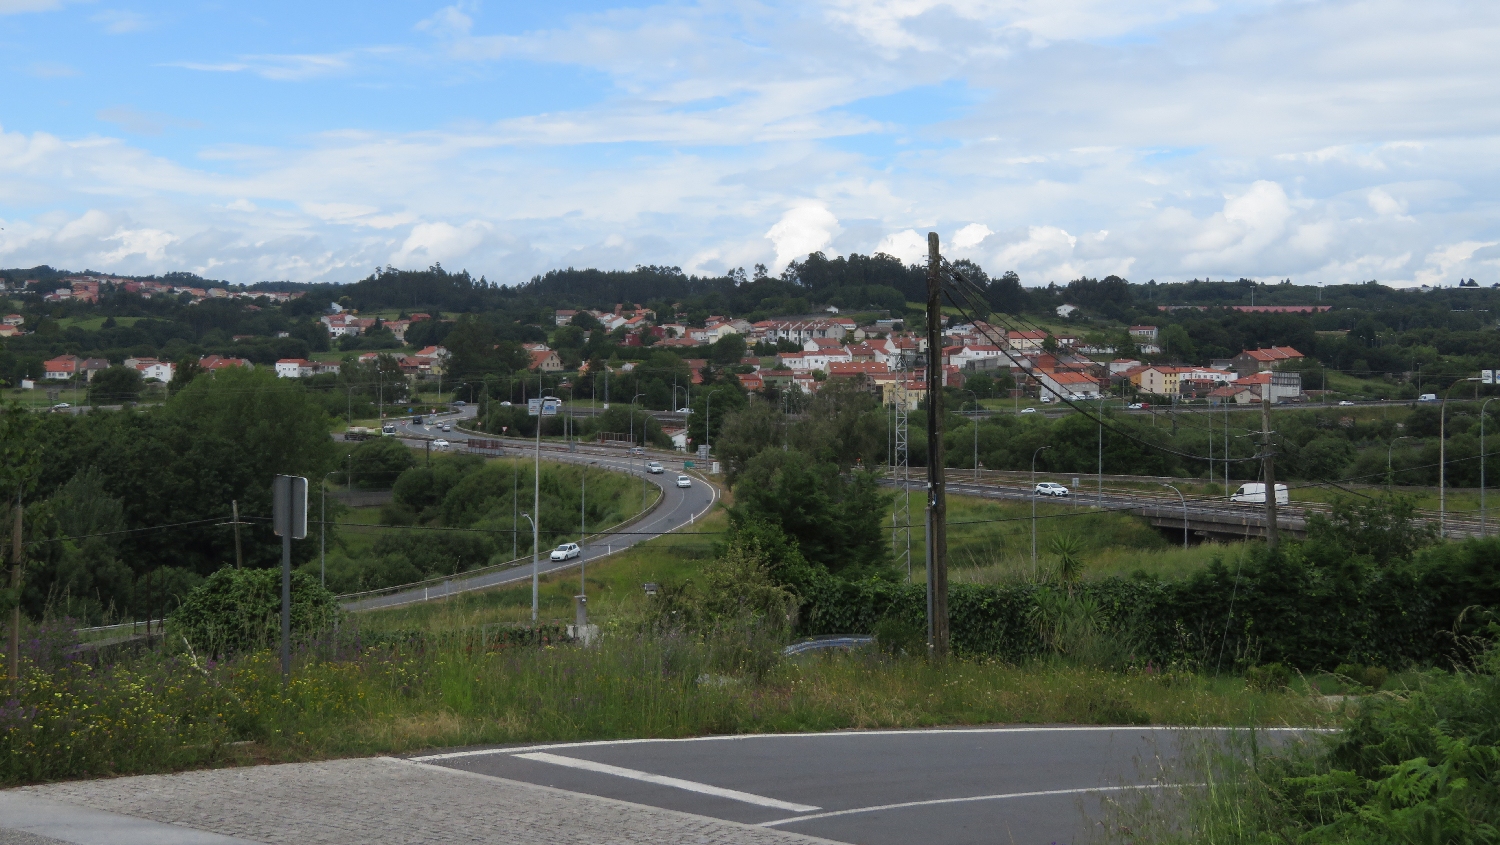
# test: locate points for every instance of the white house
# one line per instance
(1071, 386)
(159, 370)
(293, 368)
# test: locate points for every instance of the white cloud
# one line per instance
(803, 229)
(909, 246)
(1446, 265)
(16, 7)
(119, 22)
(282, 68)
(971, 236)
(431, 243)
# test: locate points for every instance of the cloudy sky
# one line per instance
(1324, 142)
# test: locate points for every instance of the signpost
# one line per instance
(288, 521)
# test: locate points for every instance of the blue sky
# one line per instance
(1327, 142)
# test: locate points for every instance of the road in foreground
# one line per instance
(937, 787)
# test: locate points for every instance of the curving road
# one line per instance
(678, 508)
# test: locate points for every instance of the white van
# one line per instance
(1427, 397)
(1255, 493)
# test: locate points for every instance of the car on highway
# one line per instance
(1254, 493)
(1427, 397)
(567, 551)
(1345, 402)
(440, 444)
(684, 481)
(1135, 406)
(1028, 410)
(505, 404)
(388, 428)
(636, 450)
(1050, 488)
(655, 468)
(61, 406)
(447, 426)
(684, 410)
(459, 403)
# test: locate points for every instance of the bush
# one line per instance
(377, 463)
(240, 610)
(1268, 678)
(1371, 677)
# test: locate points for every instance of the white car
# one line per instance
(447, 427)
(505, 404)
(684, 410)
(61, 406)
(655, 468)
(1345, 402)
(566, 551)
(1049, 488)
(440, 444)
(1028, 410)
(684, 481)
(1134, 406)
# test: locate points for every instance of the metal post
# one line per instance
(536, 506)
(1100, 498)
(1269, 462)
(1035, 567)
(975, 421)
(1483, 532)
(14, 649)
(1443, 466)
(323, 534)
(286, 604)
(937, 501)
(536, 577)
(1184, 515)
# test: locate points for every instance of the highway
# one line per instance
(677, 509)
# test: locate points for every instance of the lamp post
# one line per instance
(1483, 532)
(687, 397)
(708, 415)
(536, 581)
(1184, 514)
(633, 446)
(1389, 475)
(583, 521)
(975, 421)
(1036, 569)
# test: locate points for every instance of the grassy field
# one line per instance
(94, 324)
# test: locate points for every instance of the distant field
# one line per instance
(93, 324)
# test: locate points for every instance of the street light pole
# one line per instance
(583, 521)
(1035, 568)
(1184, 515)
(1483, 532)
(536, 581)
(975, 421)
(708, 415)
(1389, 475)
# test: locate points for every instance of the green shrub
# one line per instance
(238, 610)
(1268, 678)
(1372, 677)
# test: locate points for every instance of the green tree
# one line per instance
(116, 385)
(834, 518)
(377, 463)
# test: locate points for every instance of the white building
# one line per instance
(294, 368)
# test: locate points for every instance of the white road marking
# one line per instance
(662, 780)
(484, 752)
(934, 801)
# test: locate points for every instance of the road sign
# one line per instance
(1487, 376)
(687, 464)
(551, 406)
(289, 506)
(533, 407)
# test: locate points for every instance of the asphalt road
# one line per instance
(678, 508)
(937, 787)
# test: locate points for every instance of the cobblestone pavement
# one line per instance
(382, 800)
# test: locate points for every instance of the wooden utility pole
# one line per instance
(1268, 461)
(14, 648)
(937, 503)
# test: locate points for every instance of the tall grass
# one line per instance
(166, 711)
